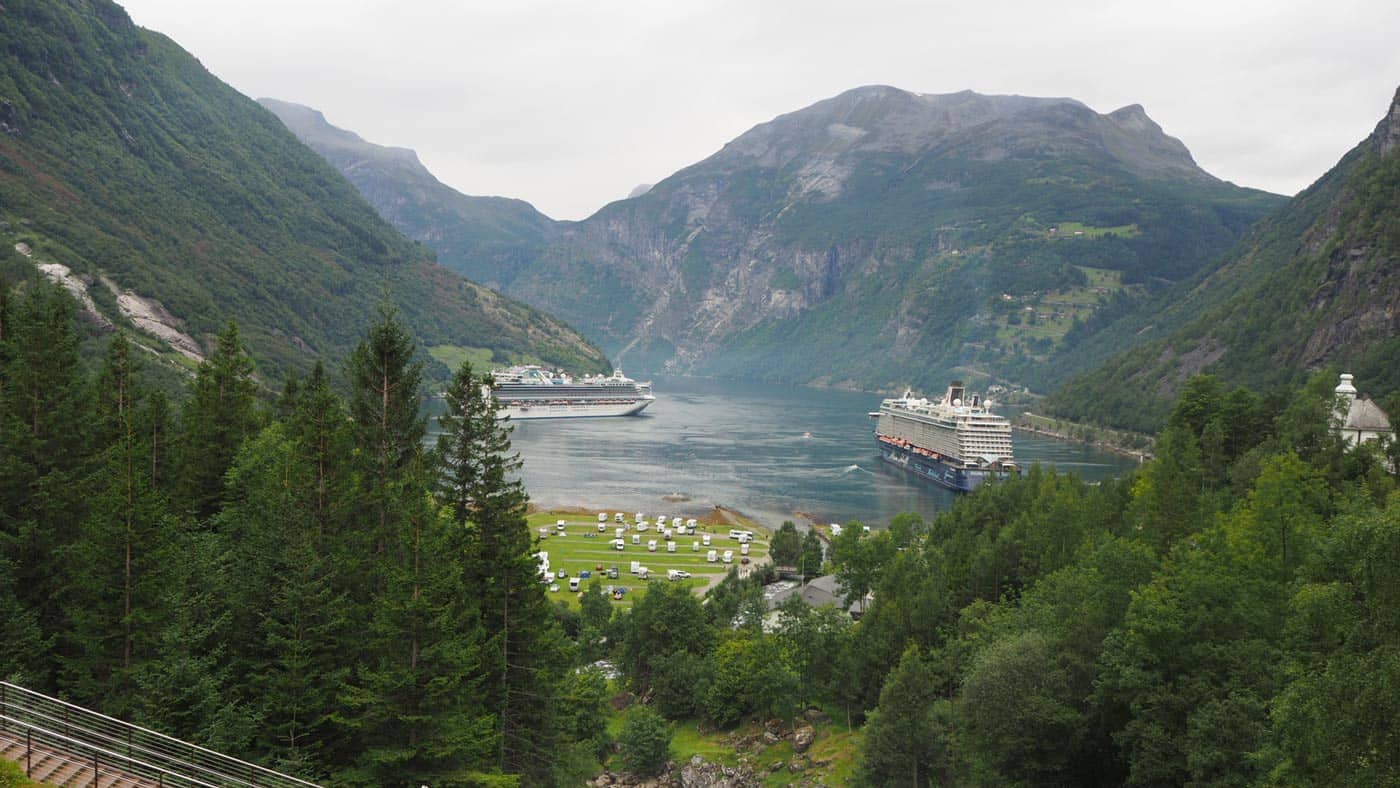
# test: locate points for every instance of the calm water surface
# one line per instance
(772, 452)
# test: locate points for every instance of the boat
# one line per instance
(532, 392)
(956, 442)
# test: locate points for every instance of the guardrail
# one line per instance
(80, 734)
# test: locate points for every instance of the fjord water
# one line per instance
(772, 452)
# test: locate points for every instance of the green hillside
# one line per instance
(1315, 285)
(875, 239)
(124, 160)
(488, 239)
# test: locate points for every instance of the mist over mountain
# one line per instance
(1316, 284)
(486, 238)
(879, 237)
(874, 239)
(172, 204)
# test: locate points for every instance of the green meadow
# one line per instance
(582, 547)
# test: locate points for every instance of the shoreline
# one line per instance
(1102, 438)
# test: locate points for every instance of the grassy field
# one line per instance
(1077, 230)
(1049, 316)
(454, 355)
(582, 547)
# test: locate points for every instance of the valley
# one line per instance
(260, 493)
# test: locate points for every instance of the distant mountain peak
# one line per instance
(826, 139)
(310, 125)
(1388, 132)
(1133, 113)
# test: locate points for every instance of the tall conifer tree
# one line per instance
(219, 416)
(44, 441)
(113, 567)
(388, 430)
(521, 658)
(412, 703)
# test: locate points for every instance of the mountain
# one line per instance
(486, 238)
(883, 237)
(170, 204)
(1315, 285)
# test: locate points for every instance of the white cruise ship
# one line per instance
(531, 392)
(955, 442)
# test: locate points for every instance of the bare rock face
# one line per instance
(700, 773)
(63, 276)
(803, 737)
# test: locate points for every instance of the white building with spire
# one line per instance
(1359, 419)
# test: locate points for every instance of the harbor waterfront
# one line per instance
(773, 452)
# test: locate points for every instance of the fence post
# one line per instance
(94, 771)
(28, 752)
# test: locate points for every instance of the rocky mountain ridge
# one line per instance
(498, 234)
(875, 229)
(874, 239)
(1315, 285)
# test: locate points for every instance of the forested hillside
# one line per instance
(304, 585)
(1316, 284)
(1227, 616)
(490, 239)
(178, 204)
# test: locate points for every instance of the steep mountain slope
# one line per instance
(172, 198)
(488, 239)
(878, 238)
(884, 237)
(1317, 284)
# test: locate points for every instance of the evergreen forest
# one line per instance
(304, 581)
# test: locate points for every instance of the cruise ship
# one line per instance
(955, 442)
(531, 392)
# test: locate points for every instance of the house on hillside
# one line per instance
(1358, 419)
(824, 591)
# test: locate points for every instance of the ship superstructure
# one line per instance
(956, 441)
(532, 392)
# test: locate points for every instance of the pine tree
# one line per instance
(522, 660)
(43, 445)
(320, 433)
(388, 430)
(217, 419)
(412, 704)
(113, 576)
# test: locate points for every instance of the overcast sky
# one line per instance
(571, 104)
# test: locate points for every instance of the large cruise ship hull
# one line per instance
(576, 410)
(935, 470)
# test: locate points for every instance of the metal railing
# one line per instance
(84, 735)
